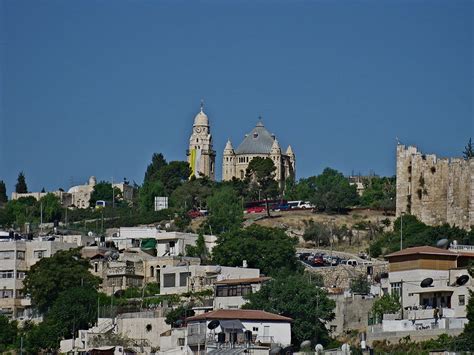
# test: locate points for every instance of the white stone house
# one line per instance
(229, 293)
(193, 278)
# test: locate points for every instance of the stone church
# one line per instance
(258, 143)
(201, 155)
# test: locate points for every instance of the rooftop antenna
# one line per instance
(202, 105)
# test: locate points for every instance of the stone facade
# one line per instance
(258, 143)
(436, 191)
(201, 156)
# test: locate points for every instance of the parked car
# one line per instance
(300, 205)
(318, 261)
(194, 214)
(304, 256)
(282, 207)
(352, 262)
(256, 209)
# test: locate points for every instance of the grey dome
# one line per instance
(259, 141)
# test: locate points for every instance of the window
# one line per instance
(7, 254)
(20, 255)
(39, 254)
(20, 293)
(255, 329)
(96, 267)
(152, 271)
(180, 341)
(20, 274)
(183, 278)
(6, 293)
(169, 280)
(396, 288)
(6, 274)
(462, 300)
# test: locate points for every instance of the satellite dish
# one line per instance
(276, 350)
(90, 234)
(443, 243)
(213, 324)
(108, 254)
(115, 256)
(426, 282)
(305, 344)
(319, 348)
(462, 280)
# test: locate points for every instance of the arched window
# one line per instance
(152, 271)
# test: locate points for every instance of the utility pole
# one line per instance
(41, 217)
(113, 193)
(401, 231)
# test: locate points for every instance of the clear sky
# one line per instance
(95, 87)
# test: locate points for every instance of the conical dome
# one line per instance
(276, 146)
(289, 151)
(228, 145)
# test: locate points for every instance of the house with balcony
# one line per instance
(433, 286)
(229, 293)
(231, 329)
(194, 278)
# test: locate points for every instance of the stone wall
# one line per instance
(434, 190)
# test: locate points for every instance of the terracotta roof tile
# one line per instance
(424, 250)
(241, 314)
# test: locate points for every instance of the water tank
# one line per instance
(248, 336)
(233, 337)
(221, 338)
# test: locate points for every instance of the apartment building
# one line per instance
(16, 259)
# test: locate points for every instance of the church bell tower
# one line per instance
(201, 156)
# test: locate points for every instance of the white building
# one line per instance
(265, 328)
(167, 243)
(16, 259)
(429, 282)
(229, 293)
(193, 278)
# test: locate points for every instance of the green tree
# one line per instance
(20, 186)
(333, 193)
(199, 250)
(177, 316)
(147, 194)
(468, 150)
(316, 232)
(50, 276)
(103, 192)
(51, 208)
(3, 193)
(8, 333)
(360, 285)
(191, 194)
(225, 210)
(22, 210)
(296, 296)
(387, 304)
(173, 175)
(74, 308)
(158, 161)
(268, 249)
(379, 193)
(261, 174)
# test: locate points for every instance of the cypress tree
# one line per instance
(3, 192)
(20, 186)
(468, 150)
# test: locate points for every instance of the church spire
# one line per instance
(202, 105)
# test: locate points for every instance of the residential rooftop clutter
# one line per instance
(433, 286)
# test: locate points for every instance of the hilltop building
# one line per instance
(258, 143)
(436, 191)
(201, 156)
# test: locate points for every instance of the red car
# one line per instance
(256, 209)
(194, 214)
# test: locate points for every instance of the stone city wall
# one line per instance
(436, 191)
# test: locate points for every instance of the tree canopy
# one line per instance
(468, 152)
(60, 272)
(261, 176)
(20, 186)
(268, 249)
(103, 192)
(297, 296)
(51, 208)
(333, 193)
(225, 210)
(3, 193)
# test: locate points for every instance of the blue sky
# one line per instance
(95, 87)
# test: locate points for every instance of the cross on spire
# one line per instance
(202, 104)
